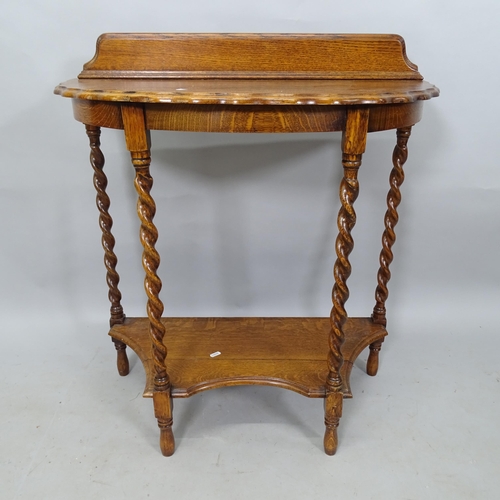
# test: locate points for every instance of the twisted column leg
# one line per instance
(137, 138)
(151, 260)
(353, 145)
(391, 218)
(108, 242)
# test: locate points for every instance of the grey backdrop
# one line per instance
(247, 227)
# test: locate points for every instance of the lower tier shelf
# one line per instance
(207, 353)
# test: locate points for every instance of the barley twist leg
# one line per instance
(346, 220)
(108, 242)
(151, 260)
(388, 239)
(353, 146)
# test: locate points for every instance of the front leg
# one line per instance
(353, 146)
(137, 138)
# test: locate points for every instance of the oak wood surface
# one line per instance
(246, 119)
(108, 242)
(284, 352)
(278, 83)
(250, 55)
(260, 92)
(138, 138)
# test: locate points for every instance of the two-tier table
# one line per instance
(248, 83)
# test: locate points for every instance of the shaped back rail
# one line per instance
(251, 56)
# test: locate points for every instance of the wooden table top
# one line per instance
(248, 91)
(250, 69)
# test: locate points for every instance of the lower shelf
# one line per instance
(284, 352)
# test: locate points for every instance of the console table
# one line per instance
(248, 83)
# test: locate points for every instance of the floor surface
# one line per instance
(426, 427)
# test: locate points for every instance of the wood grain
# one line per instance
(244, 119)
(98, 113)
(210, 55)
(137, 138)
(108, 242)
(247, 118)
(353, 146)
(248, 83)
(283, 352)
(391, 218)
(260, 92)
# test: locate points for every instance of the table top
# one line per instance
(250, 69)
(263, 92)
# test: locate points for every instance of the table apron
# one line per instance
(247, 118)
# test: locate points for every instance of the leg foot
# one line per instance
(333, 412)
(162, 401)
(121, 358)
(372, 363)
(330, 441)
(167, 442)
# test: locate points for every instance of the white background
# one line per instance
(247, 223)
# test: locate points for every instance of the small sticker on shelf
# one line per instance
(214, 354)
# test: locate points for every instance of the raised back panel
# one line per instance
(275, 56)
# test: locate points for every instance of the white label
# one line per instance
(214, 354)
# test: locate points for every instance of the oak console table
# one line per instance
(248, 83)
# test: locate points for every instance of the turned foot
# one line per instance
(162, 401)
(372, 363)
(330, 441)
(121, 358)
(167, 442)
(333, 412)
